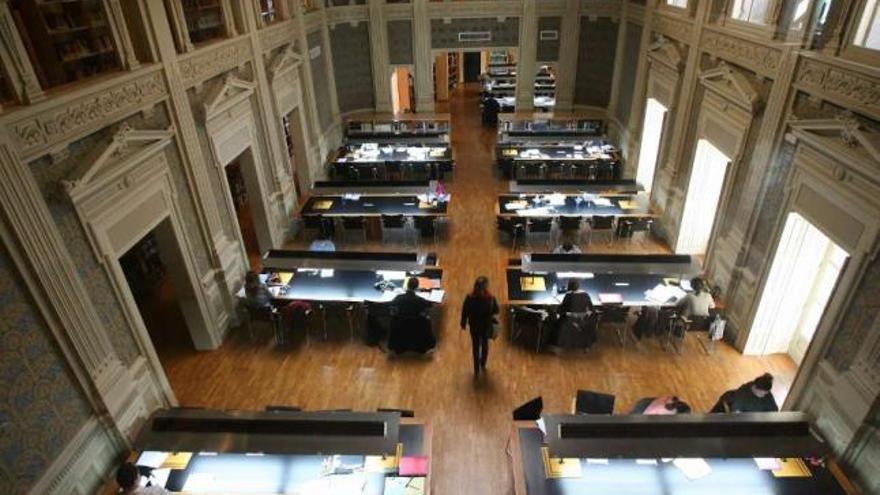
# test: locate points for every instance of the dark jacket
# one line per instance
(478, 313)
(410, 304)
(575, 302)
(743, 400)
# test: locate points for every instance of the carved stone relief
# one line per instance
(754, 56)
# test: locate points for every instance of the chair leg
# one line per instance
(540, 336)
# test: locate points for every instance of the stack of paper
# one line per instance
(602, 202)
(606, 298)
(404, 485)
(532, 284)
(693, 468)
(516, 205)
(664, 294)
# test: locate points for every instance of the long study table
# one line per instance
(432, 161)
(373, 205)
(698, 468)
(310, 453)
(630, 280)
(591, 159)
(348, 276)
(557, 204)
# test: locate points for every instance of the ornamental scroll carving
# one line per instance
(205, 65)
(39, 133)
(837, 84)
(678, 29)
(754, 56)
(667, 53)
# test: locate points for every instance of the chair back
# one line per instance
(393, 221)
(615, 313)
(567, 223)
(353, 223)
(590, 402)
(404, 413)
(283, 408)
(530, 411)
(423, 223)
(540, 225)
(600, 222)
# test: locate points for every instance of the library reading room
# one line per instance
(440, 247)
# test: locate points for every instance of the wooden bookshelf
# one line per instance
(67, 40)
(204, 20)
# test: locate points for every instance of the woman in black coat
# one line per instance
(478, 312)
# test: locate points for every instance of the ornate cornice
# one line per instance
(284, 62)
(476, 8)
(348, 13)
(733, 85)
(840, 85)
(67, 119)
(226, 94)
(601, 8)
(763, 59)
(211, 61)
(550, 7)
(667, 53)
(672, 27)
(398, 11)
(635, 13)
(277, 34)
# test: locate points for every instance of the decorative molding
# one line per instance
(277, 34)
(349, 13)
(672, 27)
(84, 463)
(763, 59)
(225, 94)
(216, 59)
(22, 80)
(667, 53)
(844, 139)
(68, 119)
(840, 85)
(601, 8)
(476, 8)
(398, 11)
(284, 62)
(733, 84)
(128, 144)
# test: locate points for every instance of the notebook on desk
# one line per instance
(404, 485)
(323, 204)
(532, 284)
(555, 467)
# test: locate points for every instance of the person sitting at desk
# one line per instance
(753, 396)
(696, 303)
(256, 294)
(129, 480)
(660, 406)
(567, 247)
(410, 326)
(322, 243)
(575, 301)
(491, 107)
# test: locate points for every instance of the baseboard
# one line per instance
(83, 466)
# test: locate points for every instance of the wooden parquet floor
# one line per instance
(471, 419)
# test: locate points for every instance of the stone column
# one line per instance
(327, 53)
(526, 65)
(195, 164)
(569, 39)
(424, 75)
(313, 127)
(379, 56)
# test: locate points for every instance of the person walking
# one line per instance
(478, 313)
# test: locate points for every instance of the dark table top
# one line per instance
(626, 476)
(571, 207)
(241, 473)
(555, 152)
(398, 153)
(631, 287)
(344, 286)
(373, 205)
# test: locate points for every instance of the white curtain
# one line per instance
(652, 130)
(704, 193)
(804, 270)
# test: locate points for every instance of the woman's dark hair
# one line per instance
(127, 476)
(764, 382)
(573, 284)
(698, 285)
(481, 286)
(412, 283)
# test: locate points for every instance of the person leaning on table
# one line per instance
(129, 480)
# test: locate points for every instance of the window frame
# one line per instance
(858, 53)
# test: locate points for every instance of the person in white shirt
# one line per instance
(696, 303)
(129, 480)
(322, 243)
(567, 247)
